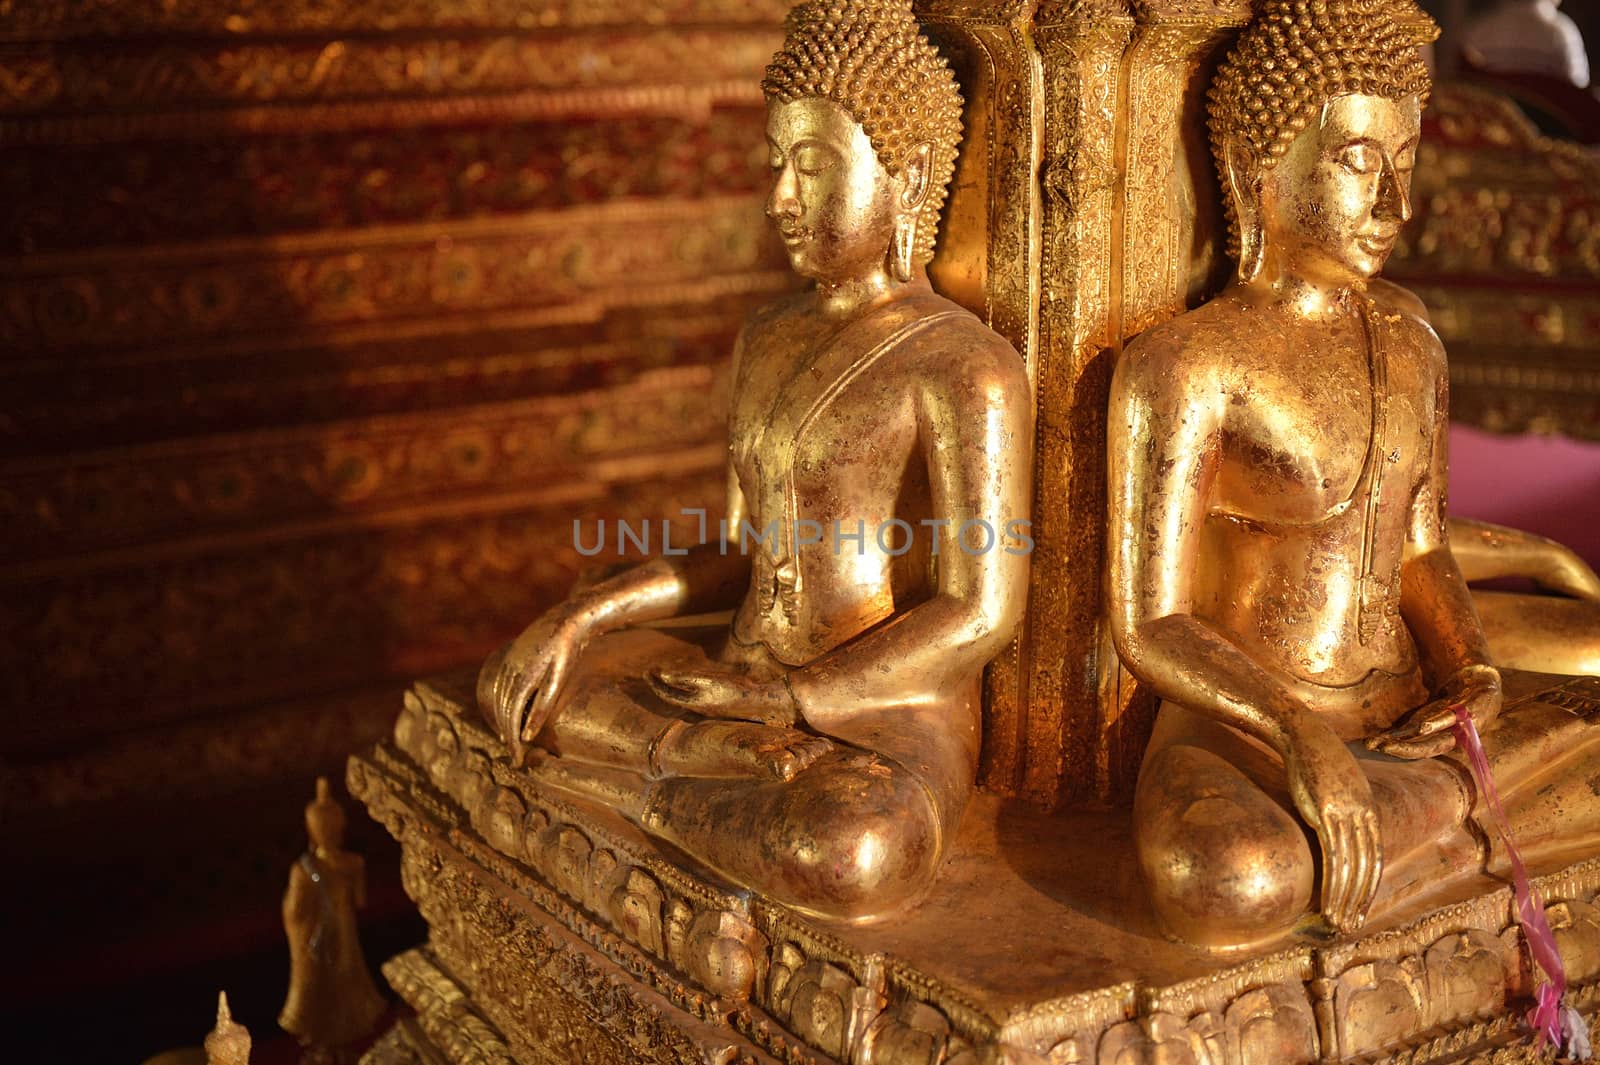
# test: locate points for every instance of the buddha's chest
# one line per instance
(832, 436)
(1304, 444)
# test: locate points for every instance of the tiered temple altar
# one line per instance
(1083, 212)
(560, 933)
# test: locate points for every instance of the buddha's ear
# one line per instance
(916, 174)
(1244, 189)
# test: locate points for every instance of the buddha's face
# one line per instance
(834, 202)
(1332, 206)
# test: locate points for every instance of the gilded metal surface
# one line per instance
(1058, 720)
(443, 1014)
(1098, 99)
(1130, 220)
(1486, 551)
(987, 260)
(1551, 633)
(560, 932)
(404, 1044)
(824, 750)
(1004, 958)
(1279, 565)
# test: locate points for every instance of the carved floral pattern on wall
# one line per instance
(321, 323)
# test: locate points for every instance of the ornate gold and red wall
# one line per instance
(320, 323)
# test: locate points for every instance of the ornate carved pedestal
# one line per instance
(560, 934)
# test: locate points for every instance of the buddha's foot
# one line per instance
(736, 749)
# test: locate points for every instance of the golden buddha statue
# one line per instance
(332, 1001)
(821, 748)
(1280, 569)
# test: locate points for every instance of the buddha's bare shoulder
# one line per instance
(959, 330)
(1196, 346)
(1408, 317)
(1397, 298)
(959, 362)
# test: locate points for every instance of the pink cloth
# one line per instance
(1546, 1017)
(1540, 484)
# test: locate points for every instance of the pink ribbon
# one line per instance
(1545, 1017)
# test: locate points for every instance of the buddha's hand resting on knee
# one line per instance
(1429, 730)
(519, 686)
(726, 693)
(1332, 794)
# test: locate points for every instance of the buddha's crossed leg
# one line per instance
(1228, 860)
(823, 827)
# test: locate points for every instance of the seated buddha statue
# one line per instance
(820, 748)
(1280, 570)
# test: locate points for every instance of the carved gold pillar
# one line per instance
(988, 253)
(1084, 211)
(1167, 255)
(1081, 47)
(989, 256)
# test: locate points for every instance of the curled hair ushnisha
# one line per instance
(1295, 56)
(869, 57)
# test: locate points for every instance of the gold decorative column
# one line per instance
(1166, 257)
(1084, 211)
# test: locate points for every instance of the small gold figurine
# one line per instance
(229, 1042)
(822, 749)
(332, 1001)
(1280, 572)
